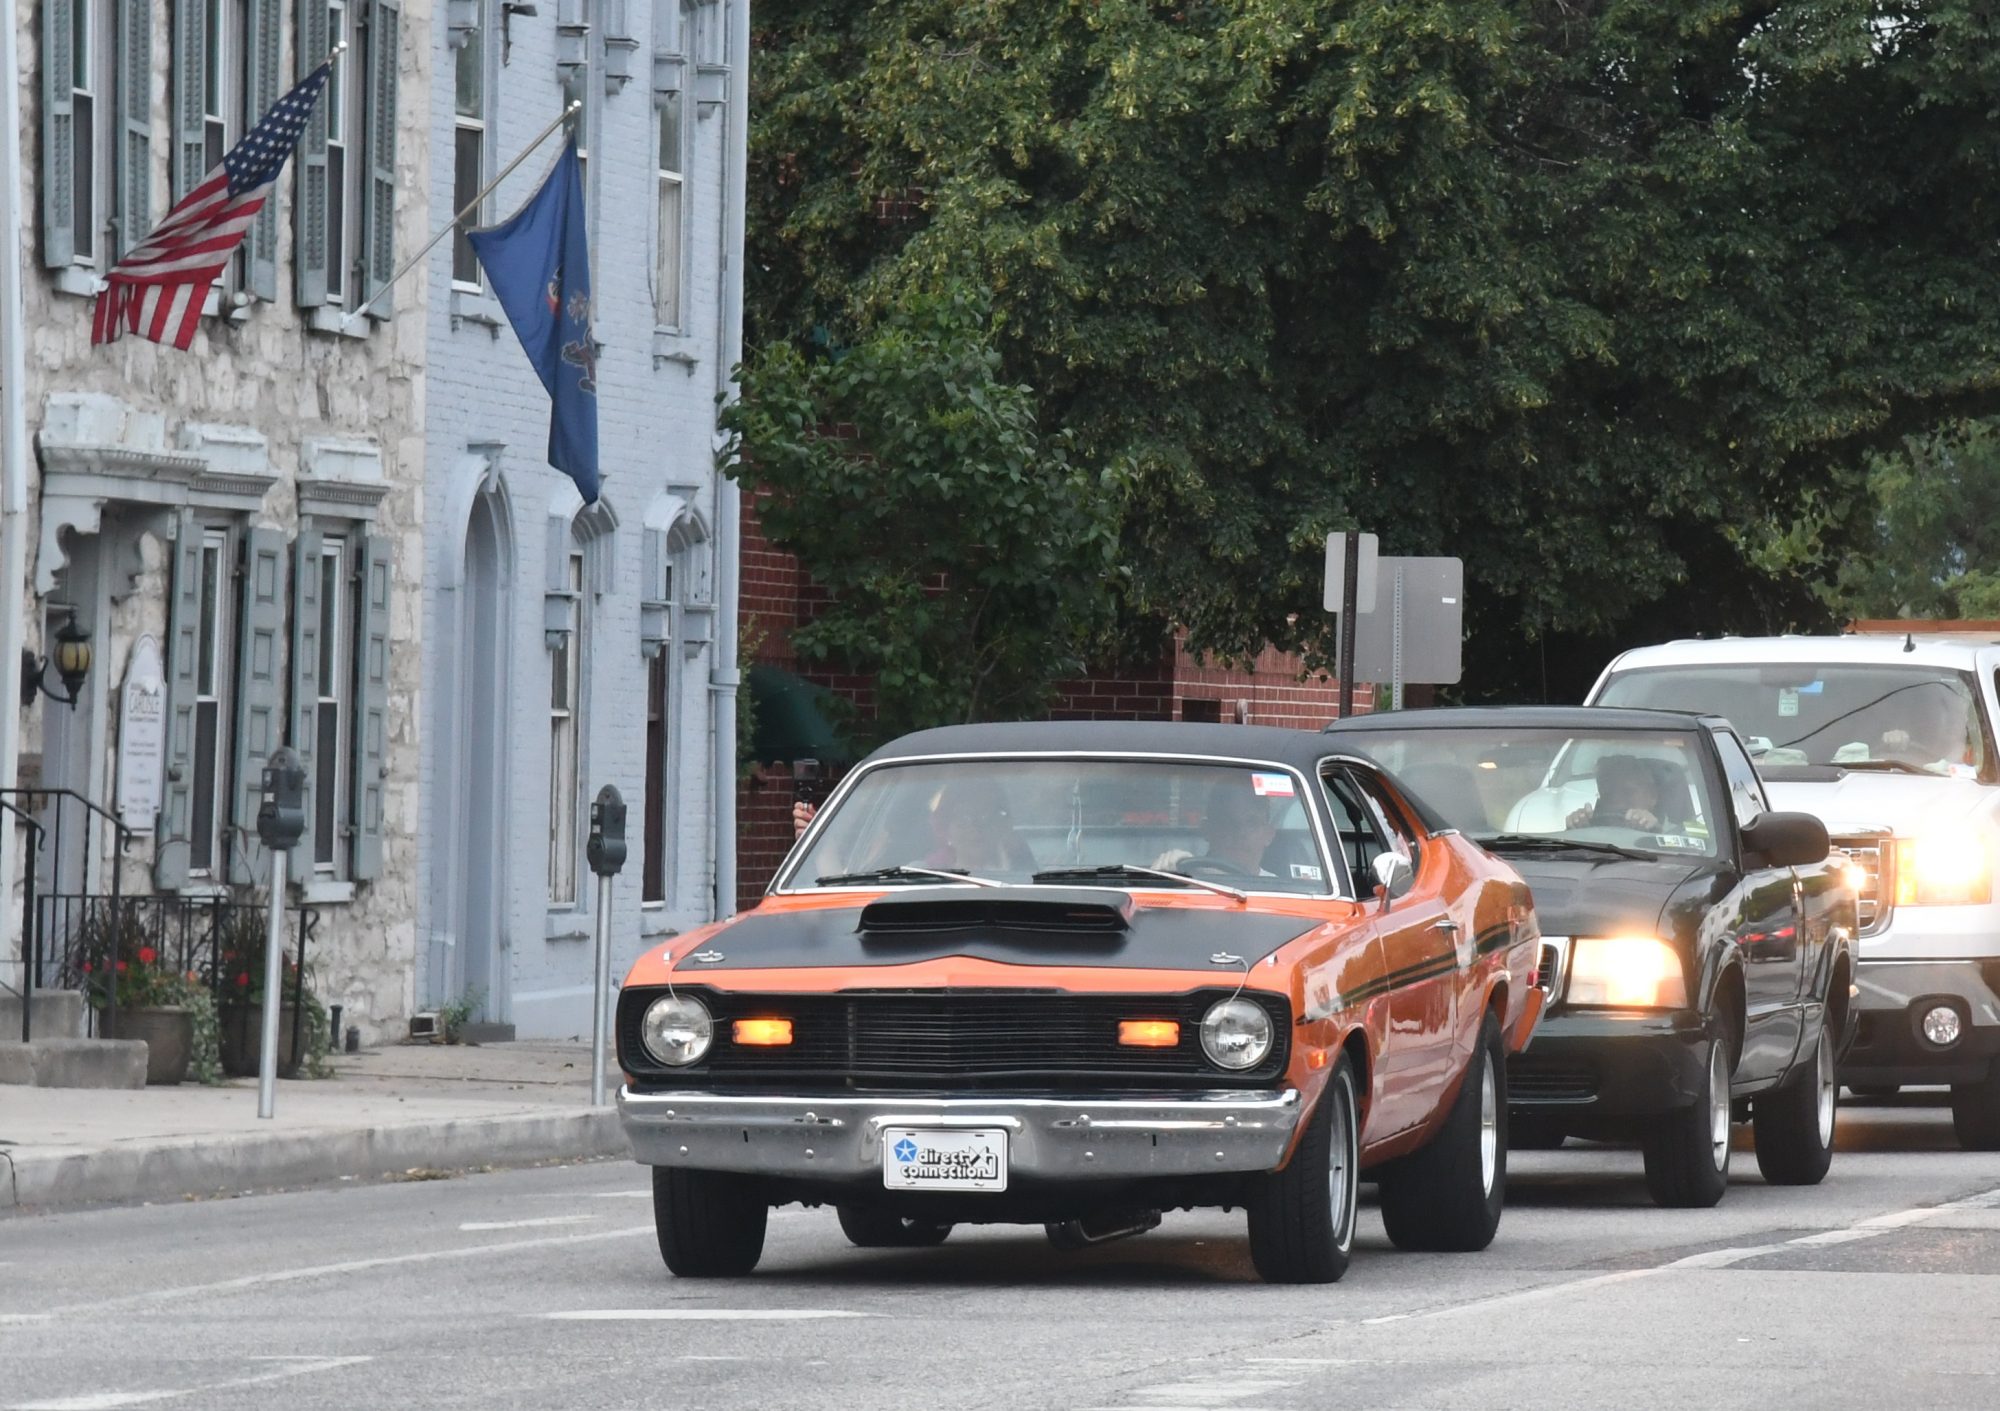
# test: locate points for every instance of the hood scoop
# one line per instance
(1074, 913)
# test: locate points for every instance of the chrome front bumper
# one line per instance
(840, 1138)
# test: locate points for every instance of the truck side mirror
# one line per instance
(1785, 840)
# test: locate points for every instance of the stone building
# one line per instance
(573, 647)
(236, 529)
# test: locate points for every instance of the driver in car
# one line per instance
(1236, 828)
(1628, 796)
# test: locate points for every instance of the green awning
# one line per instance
(792, 718)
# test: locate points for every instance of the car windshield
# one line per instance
(1613, 790)
(1907, 719)
(1070, 821)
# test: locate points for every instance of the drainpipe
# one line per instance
(723, 677)
(13, 453)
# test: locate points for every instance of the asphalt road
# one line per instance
(543, 1288)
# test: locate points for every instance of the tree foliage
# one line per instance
(1933, 546)
(968, 560)
(1592, 293)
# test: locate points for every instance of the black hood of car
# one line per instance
(1580, 895)
(1016, 926)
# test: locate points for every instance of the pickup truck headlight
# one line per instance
(677, 1030)
(1944, 869)
(1626, 972)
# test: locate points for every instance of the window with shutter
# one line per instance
(184, 633)
(261, 50)
(310, 255)
(468, 143)
(305, 687)
(259, 695)
(65, 189)
(371, 705)
(191, 93)
(378, 205)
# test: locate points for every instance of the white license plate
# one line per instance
(944, 1159)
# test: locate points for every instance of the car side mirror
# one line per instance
(1393, 875)
(1785, 840)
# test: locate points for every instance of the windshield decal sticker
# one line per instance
(1270, 786)
(1305, 872)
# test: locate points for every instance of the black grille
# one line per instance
(930, 1038)
(1549, 1080)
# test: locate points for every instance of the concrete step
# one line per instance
(57, 1014)
(73, 1063)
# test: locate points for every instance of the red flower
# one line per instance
(242, 980)
(121, 967)
(86, 967)
(147, 955)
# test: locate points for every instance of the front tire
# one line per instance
(709, 1226)
(1687, 1153)
(1448, 1196)
(1794, 1124)
(882, 1229)
(1975, 1114)
(1302, 1221)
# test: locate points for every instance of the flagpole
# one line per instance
(470, 206)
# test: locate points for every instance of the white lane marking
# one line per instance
(347, 1266)
(1529, 1295)
(109, 1400)
(9, 1319)
(621, 1195)
(1208, 1391)
(700, 1315)
(1723, 1258)
(527, 1224)
(1304, 1361)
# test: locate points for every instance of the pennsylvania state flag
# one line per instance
(538, 262)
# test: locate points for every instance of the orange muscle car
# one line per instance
(1077, 974)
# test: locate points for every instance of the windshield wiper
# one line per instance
(1116, 870)
(903, 872)
(1542, 843)
(1890, 766)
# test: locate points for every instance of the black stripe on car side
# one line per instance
(1495, 938)
(1444, 963)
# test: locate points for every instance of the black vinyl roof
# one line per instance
(1302, 749)
(1523, 718)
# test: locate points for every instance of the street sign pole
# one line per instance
(274, 982)
(1396, 627)
(1349, 585)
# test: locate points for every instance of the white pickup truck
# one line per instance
(1889, 736)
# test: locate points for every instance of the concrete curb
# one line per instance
(175, 1169)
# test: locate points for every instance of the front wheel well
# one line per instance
(1732, 1002)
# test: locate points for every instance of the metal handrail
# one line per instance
(31, 928)
(125, 837)
(126, 833)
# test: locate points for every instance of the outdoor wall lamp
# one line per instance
(71, 660)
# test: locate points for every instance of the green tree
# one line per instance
(1588, 292)
(968, 560)
(1933, 548)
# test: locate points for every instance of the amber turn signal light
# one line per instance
(762, 1033)
(1149, 1033)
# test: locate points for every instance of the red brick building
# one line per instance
(776, 596)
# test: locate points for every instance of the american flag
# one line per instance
(157, 290)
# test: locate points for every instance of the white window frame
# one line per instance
(565, 743)
(346, 151)
(92, 143)
(334, 748)
(475, 125)
(215, 685)
(670, 232)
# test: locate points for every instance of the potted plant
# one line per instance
(169, 1009)
(240, 952)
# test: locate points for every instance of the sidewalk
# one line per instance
(387, 1111)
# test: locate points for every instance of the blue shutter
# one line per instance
(170, 857)
(265, 22)
(132, 161)
(190, 95)
(371, 706)
(309, 193)
(378, 200)
(58, 133)
(305, 685)
(259, 722)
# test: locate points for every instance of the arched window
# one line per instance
(675, 593)
(579, 570)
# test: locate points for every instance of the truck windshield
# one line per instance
(1902, 719)
(1623, 790)
(1070, 820)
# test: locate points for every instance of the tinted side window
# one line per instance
(1358, 830)
(1746, 791)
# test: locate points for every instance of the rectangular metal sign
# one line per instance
(1336, 571)
(1417, 630)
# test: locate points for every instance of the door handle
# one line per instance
(1447, 924)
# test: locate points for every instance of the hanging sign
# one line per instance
(142, 736)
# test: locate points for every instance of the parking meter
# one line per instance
(281, 813)
(606, 846)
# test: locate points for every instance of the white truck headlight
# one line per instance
(677, 1030)
(1944, 869)
(1626, 972)
(1236, 1034)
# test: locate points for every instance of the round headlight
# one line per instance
(677, 1030)
(1236, 1034)
(1942, 1026)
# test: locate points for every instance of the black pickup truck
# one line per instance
(1698, 947)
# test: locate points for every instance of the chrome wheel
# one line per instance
(1718, 1103)
(1489, 1129)
(1342, 1157)
(1829, 1088)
